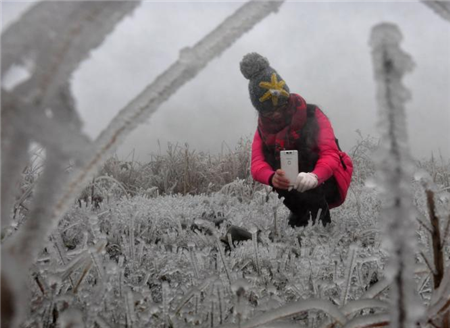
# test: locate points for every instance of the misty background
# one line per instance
(320, 49)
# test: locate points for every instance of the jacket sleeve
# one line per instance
(328, 160)
(260, 169)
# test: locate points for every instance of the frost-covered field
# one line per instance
(153, 261)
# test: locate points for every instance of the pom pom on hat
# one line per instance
(252, 64)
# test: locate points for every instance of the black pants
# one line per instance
(305, 206)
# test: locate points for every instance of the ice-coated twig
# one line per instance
(350, 265)
(140, 252)
(131, 231)
(220, 302)
(437, 269)
(14, 156)
(442, 8)
(97, 264)
(394, 171)
(362, 304)
(84, 259)
(193, 258)
(129, 305)
(440, 302)
(446, 234)
(165, 301)
(369, 321)
(424, 225)
(58, 244)
(293, 309)
(74, 265)
(85, 271)
(254, 231)
(428, 263)
(193, 291)
(438, 253)
(356, 306)
(224, 260)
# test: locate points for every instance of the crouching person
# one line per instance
(287, 122)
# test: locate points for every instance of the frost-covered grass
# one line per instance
(152, 260)
(181, 169)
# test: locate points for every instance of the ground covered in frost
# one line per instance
(166, 260)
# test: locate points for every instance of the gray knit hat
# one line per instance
(266, 87)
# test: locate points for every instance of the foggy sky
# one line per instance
(320, 49)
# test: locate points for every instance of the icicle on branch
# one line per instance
(442, 8)
(394, 171)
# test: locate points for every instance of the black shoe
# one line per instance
(295, 220)
(324, 217)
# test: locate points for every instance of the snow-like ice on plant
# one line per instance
(391, 63)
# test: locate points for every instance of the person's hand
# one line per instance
(279, 180)
(306, 181)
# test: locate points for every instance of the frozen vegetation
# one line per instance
(189, 239)
(128, 255)
(394, 171)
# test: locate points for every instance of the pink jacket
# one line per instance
(328, 164)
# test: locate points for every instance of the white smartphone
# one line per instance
(289, 164)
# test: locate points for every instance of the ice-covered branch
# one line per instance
(442, 8)
(50, 40)
(370, 321)
(292, 309)
(438, 252)
(350, 265)
(438, 239)
(394, 171)
(56, 37)
(440, 302)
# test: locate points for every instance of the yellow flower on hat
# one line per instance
(275, 89)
